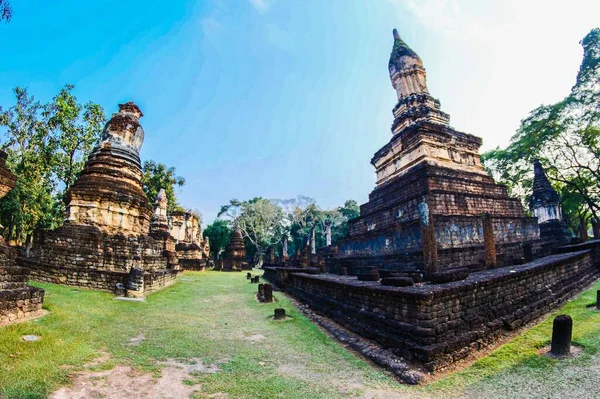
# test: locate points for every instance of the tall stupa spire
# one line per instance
(406, 69)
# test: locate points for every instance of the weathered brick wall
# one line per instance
(17, 299)
(96, 279)
(87, 257)
(459, 239)
(157, 280)
(440, 324)
(19, 303)
(190, 256)
(87, 247)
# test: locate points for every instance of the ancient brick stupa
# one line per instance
(545, 205)
(192, 250)
(433, 199)
(235, 254)
(106, 234)
(18, 300)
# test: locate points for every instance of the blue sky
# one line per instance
(277, 98)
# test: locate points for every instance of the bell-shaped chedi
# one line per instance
(18, 300)
(107, 228)
(427, 210)
(235, 254)
(545, 204)
(109, 193)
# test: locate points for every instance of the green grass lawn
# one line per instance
(216, 318)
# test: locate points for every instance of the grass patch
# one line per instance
(216, 318)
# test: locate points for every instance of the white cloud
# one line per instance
(262, 6)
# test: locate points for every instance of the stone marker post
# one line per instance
(268, 293)
(489, 241)
(279, 314)
(261, 290)
(562, 330)
(430, 253)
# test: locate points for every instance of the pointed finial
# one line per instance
(396, 34)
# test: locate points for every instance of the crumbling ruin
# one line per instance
(235, 254)
(455, 254)
(18, 300)
(192, 250)
(106, 238)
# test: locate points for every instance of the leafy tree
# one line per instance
(75, 130)
(259, 220)
(30, 205)
(156, 176)
(5, 11)
(219, 234)
(565, 137)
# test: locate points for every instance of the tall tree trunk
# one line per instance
(328, 234)
(313, 244)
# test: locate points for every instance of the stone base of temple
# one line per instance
(18, 301)
(96, 279)
(437, 325)
(20, 304)
(190, 257)
(87, 257)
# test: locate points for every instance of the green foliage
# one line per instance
(5, 11)
(156, 176)
(260, 221)
(46, 145)
(75, 130)
(218, 234)
(27, 143)
(565, 137)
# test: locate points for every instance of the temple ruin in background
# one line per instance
(193, 251)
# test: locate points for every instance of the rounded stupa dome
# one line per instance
(124, 129)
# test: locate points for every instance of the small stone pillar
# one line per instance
(328, 233)
(562, 331)
(313, 241)
(279, 314)
(268, 293)
(598, 300)
(489, 242)
(528, 252)
(248, 276)
(284, 253)
(261, 291)
(256, 279)
(430, 253)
